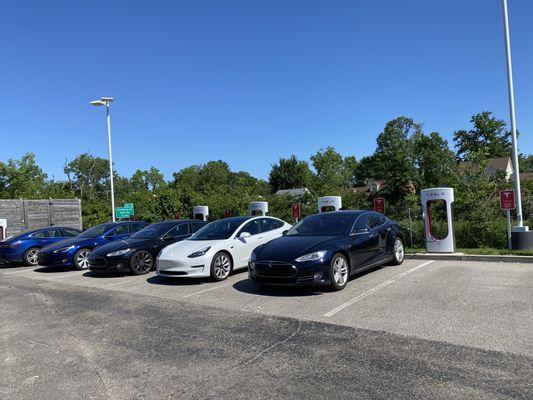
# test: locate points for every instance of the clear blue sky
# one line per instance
(249, 81)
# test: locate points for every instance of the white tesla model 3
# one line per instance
(219, 247)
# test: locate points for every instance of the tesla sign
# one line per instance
(227, 213)
(379, 205)
(507, 200)
(296, 211)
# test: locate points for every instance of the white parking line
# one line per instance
(375, 289)
(132, 280)
(65, 275)
(18, 271)
(207, 290)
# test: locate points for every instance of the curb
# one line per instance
(470, 257)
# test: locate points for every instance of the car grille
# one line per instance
(98, 261)
(275, 269)
(168, 272)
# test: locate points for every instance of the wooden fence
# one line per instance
(26, 215)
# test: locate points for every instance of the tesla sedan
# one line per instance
(139, 251)
(219, 247)
(75, 252)
(25, 248)
(328, 248)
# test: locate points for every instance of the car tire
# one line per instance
(141, 262)
(81, 259)
(339, 272)
(31, 257)
(221, 266)
(398, 251)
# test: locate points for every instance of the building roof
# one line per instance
(292, 192)
(524, 176)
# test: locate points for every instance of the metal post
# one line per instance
(509, 243)
(519, 218)
(410, 226)
(110, 161)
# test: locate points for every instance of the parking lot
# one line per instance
(481, 313)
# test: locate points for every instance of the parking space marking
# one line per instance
(64, 275)
(207, 290)
(18, 271)
(132, 280)
(375, 289)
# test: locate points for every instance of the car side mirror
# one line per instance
(244, 235)
(284, 232)
(169, 238)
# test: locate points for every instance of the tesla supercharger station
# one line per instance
(428, 197)
(200, 213)
(329, 203)
(258, 208)
(3, 228)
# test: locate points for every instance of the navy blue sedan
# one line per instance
(75, 252)
(25, 248)
(327, 249)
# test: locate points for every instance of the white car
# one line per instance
(219, 247)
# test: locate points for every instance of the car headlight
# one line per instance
(317, 255)
(119, 253)
(253, 257)
(64, 249)
(199, 253)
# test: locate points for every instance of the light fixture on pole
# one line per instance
(518, 195)
(105, 101)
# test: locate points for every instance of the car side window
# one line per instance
(136, 227)
(251, 227)
(69, 232)
(377, 220)
(269, 224)
(55, 233)
(41, 235)
(363, 222)
(195, 226)
(119, 230)
(178, 230)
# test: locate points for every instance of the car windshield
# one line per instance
(153, 231)
(321, 225)
(218, 230)
(96, 231)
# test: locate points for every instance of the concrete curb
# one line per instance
(470, 257)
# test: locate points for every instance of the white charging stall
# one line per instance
(3, 228)
(200, 213)
(258, 208)
(444, 243)
(329, 203)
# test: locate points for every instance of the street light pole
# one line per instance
(105, 101)
(518, 195)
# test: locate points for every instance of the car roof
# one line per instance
(353, 213)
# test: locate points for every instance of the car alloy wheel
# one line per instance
(32, 256)
(141, 262)
(220, 266)
(340, 271)
(81, 259)
(398, 251)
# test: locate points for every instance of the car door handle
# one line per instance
(260, 237)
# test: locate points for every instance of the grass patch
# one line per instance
(481, 251)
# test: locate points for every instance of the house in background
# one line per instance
(377, 185)
(296, 192)
(494, 166)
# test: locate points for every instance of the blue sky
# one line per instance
(248, 81)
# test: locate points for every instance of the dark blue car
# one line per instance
(327, 249)
(75, 252)
(25, 248)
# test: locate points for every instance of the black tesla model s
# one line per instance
(328, 248)
(139, 251)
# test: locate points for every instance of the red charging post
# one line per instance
(379, 205)
(296, 211)
(228, 213)
(176, 215)
(507, 203)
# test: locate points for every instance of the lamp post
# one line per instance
(519, 218)
(105, 101)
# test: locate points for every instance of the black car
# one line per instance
(328, 248)
(140, 250)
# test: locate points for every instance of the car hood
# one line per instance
(186, 247)
(288, 248)
(136, 244)
(80, 242)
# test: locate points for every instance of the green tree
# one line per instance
(487, 139)
(290, 173)
(88, 176)
(22, 178)
(334, 173)
(434, 161)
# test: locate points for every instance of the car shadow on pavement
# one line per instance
(48, 270)
(248, 286)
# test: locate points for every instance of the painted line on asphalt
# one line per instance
(122, 282)
(375, 289)
(18, 271)
(207, 290)
(64, 275)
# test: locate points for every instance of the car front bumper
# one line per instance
(101, 263)
(288, 274)
(55, 259)
(184, 267)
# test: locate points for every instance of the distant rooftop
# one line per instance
(296, 192)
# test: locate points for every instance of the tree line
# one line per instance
(406, 158)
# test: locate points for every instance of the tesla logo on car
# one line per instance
(379, 205)
(507, 200)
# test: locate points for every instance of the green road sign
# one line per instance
(123, 212)
(131, 207)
